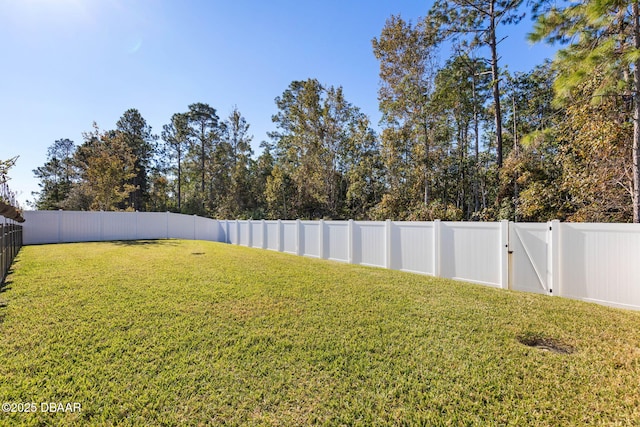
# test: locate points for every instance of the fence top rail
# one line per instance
(461, 224)
(601, 226)
(413, 223)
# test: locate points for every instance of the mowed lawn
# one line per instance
(200, 333)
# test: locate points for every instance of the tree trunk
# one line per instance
(515, 151)
(179, 179)
(636, 117)
(493, 44)
(426, 163)
(202, 154)
(476, 197)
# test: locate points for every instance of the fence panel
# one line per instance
(207, 229)
(80, 226)
(336, 240)
(180, 226)
(223, 231)
(151, 225)
(232, 235)
(118, 225)
(369, 243)
(289, 237)
(412, 246)
(243, 233)
(472, 252)
(272, 235)
(601, 263)
(310, 239)
(41, 227)
(255, 228)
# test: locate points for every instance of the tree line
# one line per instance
(460, 139)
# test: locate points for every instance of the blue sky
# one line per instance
(68, 63)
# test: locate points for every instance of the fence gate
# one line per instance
(528, 257)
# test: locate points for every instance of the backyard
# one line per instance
(173, 332)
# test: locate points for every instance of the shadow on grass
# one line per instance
(145, 243)
(4, 285)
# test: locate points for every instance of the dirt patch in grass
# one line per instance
(545, 343)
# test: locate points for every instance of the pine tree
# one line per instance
(137, 135)
(203, 129)
(106, 166)
(319, 141)
(475, 23)
(235, 160)
(407, 74)
(56, 175)
(603, 38)
(175, 137)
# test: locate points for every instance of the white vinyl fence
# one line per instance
(74, 226)
(592, 262)
(464, 251)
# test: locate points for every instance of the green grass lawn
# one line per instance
(200, 333)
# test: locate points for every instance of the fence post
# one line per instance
(4, 227)
(250, 234)
(298, 237)
(264, 234)
(4, 255)
(387, 244)
(59, 216)
(101, 225)
(437, 225)
(350, 234)
(553, 257)
(166, 220)
(321, 238)
(6, 247)
(280, 249)
(227, 239)
(14, 228)
(3, 264)
(504, 254)
(2, 249)
(237, 232)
